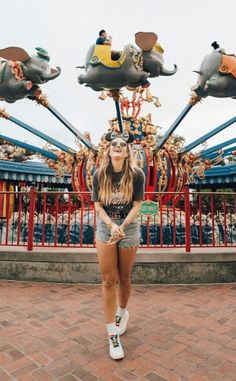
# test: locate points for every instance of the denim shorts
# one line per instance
(132, 233)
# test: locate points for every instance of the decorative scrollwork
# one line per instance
(4, 114)
(42, 99)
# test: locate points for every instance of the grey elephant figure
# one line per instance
(217, 76)
(20, 74)
(109, 70)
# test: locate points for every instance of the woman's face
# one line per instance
(118, 149)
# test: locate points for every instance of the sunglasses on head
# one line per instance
(122, 144)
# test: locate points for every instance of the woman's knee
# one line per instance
(124, 278)
(109, 281)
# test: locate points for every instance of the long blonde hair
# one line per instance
(105, 177)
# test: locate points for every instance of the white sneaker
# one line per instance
(115, 347)
(121, 322)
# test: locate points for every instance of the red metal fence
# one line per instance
(66, 219)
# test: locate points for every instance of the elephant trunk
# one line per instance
(166, 72)
(49, 76)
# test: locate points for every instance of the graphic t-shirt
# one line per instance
(117, 208)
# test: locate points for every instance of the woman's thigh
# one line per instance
(107, 258)
(126, 258)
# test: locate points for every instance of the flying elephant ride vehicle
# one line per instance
(112, 70)
(167, 163)
(20, 73)
(217, 75)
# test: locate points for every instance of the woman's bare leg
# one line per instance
(107, 259)
(126, 257)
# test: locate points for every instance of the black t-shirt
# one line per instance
(117, 208)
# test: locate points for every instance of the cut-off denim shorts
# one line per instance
(132, 233)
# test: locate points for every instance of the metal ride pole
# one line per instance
(70, 127)
(208, 135)
(43, 136)
(173, 126)
(29, 147)
(119, 117)
(31, 219)
(216, 148)
(42, 99)
(224, 153)
(187, 221)
(116, 96)
(193, 100)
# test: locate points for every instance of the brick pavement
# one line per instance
(52, 331)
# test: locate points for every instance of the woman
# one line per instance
(118, 189)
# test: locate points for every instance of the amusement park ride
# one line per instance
(168, 165)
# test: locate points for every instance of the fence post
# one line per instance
(31, 219)
(187, 222)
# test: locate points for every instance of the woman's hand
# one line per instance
(117, 233)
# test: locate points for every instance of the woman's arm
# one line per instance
(134, 212)
(102, 214)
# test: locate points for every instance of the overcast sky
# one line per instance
(185, 29)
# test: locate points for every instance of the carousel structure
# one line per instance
(168, 164)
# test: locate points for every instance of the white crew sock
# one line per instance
(111, 329)
(121, 311)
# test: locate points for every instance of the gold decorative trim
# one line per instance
(4, 114)
(194, 99)
(42, 99)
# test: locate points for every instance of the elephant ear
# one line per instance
(14, 53)
(145, 40)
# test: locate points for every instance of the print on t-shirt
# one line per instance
(119, 208)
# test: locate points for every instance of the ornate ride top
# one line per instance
(166, 169)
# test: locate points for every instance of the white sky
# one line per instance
(185, 29)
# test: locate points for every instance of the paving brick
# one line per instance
(25, 377)
(176, 333)
(42, 375)
(155, 377)
(61, 368)
(4, 376)
(231, 344)
(144, 370)
(135, 364)
(14, 354)
(24, 370)
(68, 377)
(5, 347)
(97, 364)
(84, 375)
(126, 375)
(10, 365)
(111, 377)
(52, 354)
(102, 372)
(40, 358)
(198, 377)
(226, 368)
